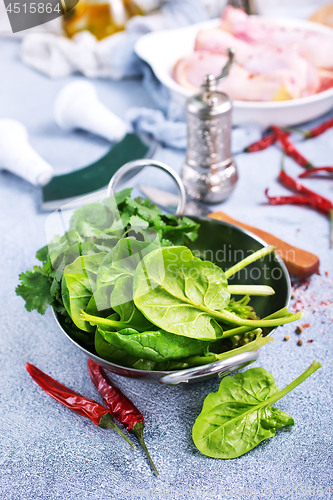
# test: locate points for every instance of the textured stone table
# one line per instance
(48, 452)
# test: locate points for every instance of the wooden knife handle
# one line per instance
(299, 262)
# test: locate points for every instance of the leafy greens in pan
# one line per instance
(122, 279)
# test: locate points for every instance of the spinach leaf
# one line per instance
(99, 303)
(154, 345)
(60, 246)
(180, 293)
(240, 415)
(123, 260)
(122, 302)
(107, 351)
(186, 296)
(90, 217)
(80, 279)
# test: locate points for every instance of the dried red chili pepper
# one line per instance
(74, 401)
(283, 137)
(297, 199)
(314, 132)
(119, 405)
(322, 204)
(315, 170)
(262, 144)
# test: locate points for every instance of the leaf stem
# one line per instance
(244, 329)
(312, 368)
(96, 320)
(212, 357)
(248, 260)
(231, 318)
(262, 290)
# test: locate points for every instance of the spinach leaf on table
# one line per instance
(240, 415)
(179, 292)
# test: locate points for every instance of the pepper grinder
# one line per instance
(209, 172)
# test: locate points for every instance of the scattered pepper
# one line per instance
(299, 329)
(287, 337)
(283, 138)
(74, 401)
(297, 199)
(119, 405)
(315, 170)
(300, 342)
(308, 134)
(262, 144)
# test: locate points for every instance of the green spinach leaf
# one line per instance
(240, 415)
(187, 296)
(154, 345)
(81, 278)
(122, 302)
(107, 351)
(179, 292)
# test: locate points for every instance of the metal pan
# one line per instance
(224, 244)
(218, 240)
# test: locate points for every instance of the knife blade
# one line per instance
(93, 179)
(300, 263)
(169, 201)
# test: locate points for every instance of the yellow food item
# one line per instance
(323, 16)
(282, 94)
(98, 17)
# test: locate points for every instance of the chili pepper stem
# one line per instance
(306, 133)
(107, 422)
(138, 432)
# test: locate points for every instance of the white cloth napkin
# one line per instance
(174, 133)
(112, 57)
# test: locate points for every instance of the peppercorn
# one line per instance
(287, 337)
(300, 342)
(299, 330)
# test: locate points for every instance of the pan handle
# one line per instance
(222, 367)
(140, 164)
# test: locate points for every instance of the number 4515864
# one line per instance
(33, 8)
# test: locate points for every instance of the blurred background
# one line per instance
(105, 18)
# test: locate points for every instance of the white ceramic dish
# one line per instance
(162, 49)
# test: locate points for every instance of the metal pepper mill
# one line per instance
(209, 172)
